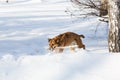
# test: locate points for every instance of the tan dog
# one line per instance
(65, 39)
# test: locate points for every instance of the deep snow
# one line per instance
(25, 26)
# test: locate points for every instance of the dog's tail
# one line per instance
(82, 36)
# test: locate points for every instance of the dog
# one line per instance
(65, 39)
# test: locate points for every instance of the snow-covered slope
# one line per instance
(25, 26)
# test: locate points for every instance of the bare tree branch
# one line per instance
(92, 8)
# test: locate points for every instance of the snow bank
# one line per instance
(67, 66)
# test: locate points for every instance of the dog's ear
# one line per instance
(58, 41)
(49, 39)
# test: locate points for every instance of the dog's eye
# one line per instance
(52, 45)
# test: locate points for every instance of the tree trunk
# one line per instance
(114, 25)
(104, 8)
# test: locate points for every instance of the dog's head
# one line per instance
(53, 43)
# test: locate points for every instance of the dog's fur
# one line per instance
(65, 39)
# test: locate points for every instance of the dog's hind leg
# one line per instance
(79, 43)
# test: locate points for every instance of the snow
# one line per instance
(26, 25)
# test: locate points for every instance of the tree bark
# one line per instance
(114, 25)
(104, 8)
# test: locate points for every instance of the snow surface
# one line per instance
(26, 25)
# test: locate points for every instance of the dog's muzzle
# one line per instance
(53, 48)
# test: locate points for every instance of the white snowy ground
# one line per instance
(25, 26)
